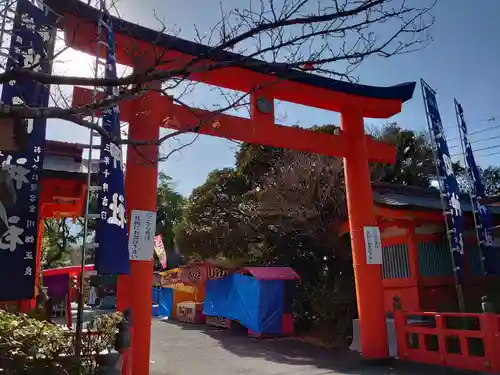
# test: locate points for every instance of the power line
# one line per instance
(490, 119)
(475, 141)
(486, 139)
(486, 148)
(478, 150)
(484, 130)
(490, 154)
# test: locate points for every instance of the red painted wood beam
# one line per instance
(50, 210)
(246, 130)
(71, 270)
(430, 216)
(53, 188)
(401, 218)
(81, 36)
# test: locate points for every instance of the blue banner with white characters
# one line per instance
(484, 219)
(112, 256)
(31, 45)
(447, 180)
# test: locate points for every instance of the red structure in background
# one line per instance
(146, 115)
(417, 265)
(71, 272)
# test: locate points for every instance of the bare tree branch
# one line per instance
(327, 37)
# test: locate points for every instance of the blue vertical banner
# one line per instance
(447, 180)
(484, 219)
(112, 256)
(31, 46)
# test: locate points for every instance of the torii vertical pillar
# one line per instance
(141, 175)
(369, 290)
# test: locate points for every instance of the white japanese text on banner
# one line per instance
(31, 45)
(483, 213)
(447, 180)
(112, 256)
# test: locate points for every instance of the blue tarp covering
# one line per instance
(272, 298)
(164, 298)
(217, 298)
(245, 301)
(258, 305)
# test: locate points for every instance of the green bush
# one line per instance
(31, 346)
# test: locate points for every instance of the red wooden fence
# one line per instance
(460, 340)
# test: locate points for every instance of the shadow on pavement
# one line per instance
(295, 352)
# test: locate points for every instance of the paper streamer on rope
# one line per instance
(483, 214)
(31, 46)
(112, 256)
(447, 180)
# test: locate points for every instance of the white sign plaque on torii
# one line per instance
(142, 233)
(373, 245)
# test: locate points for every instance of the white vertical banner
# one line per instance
(373, 245)
(142, 234)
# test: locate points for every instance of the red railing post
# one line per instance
(399, 326)
(489, 326)
(440, 328)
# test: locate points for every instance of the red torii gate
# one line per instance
(146, 115)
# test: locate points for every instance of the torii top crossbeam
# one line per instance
(79, 24)
(354, 102)
(293, 85)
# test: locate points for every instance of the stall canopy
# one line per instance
(272, 273)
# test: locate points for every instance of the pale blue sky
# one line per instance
(463, 62)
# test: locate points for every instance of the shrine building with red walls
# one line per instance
(417, 263)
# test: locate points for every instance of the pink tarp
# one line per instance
(272, 273)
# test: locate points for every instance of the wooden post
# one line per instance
(491, 328)
(399, 326)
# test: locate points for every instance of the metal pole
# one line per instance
(4, 16)
(458, 286)
(79, 319)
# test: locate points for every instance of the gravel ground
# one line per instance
(180, 349)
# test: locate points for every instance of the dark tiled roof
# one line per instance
(80, 9)
(66, 157)
(414, 197)
(67, 164)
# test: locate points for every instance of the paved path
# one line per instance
(179, 349)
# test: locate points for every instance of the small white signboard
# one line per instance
(373, 245)
(142, 234)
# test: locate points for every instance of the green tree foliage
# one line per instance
(32, 346)
(414, 158)
(168, 205)
(491, 180)
(212, 220)
(58, 243)
(169, 209)
(280, 207)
